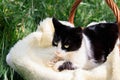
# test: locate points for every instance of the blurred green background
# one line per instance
(18, 18)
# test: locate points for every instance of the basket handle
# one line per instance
(73, 10)
(115, 10)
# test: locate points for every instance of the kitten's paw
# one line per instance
(57, 65)
(50, 63)
(53, 61)
(66, 66)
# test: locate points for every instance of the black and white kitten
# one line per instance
(85, 48)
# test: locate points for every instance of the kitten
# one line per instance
(85, 48)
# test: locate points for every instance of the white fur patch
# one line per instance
(94, 23)
(67, 23)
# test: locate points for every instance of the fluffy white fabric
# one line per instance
(30, 56)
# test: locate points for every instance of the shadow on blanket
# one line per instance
(30, 55)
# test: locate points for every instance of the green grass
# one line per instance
(18, 18)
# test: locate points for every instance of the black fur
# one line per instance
(66, 66)
(103, 37)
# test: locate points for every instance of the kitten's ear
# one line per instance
(56, 23)
(78, 30)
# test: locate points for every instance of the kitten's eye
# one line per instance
(66, 46)
(56, 43)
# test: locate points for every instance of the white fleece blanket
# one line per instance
(30, 56)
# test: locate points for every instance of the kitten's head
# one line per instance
(66, 39)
